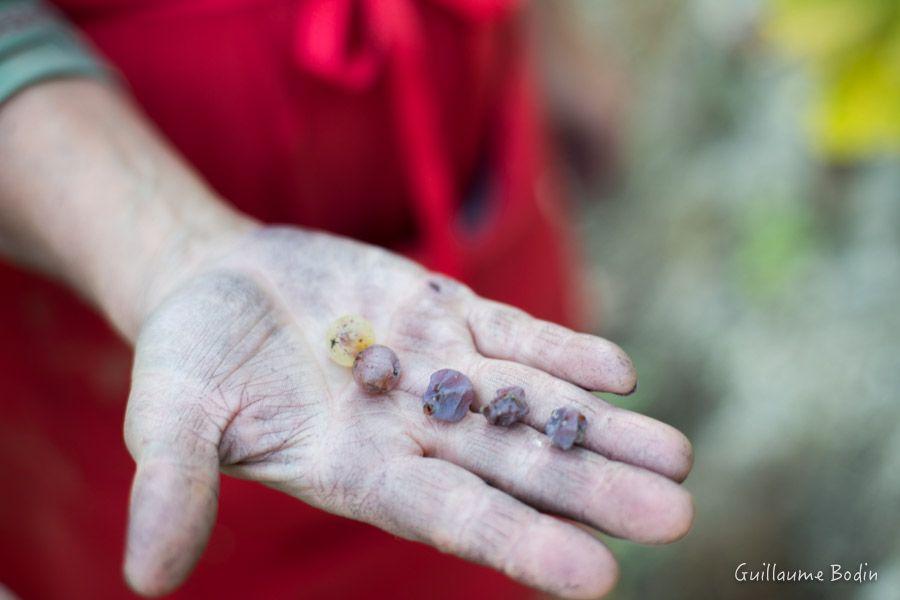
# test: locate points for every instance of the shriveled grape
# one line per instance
(566, 427)
(507, 407)
(449, 395)
(347, 337)
(376, 369)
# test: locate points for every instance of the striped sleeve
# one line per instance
(36, 44)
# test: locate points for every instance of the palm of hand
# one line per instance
(232, 373)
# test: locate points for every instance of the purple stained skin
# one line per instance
(566, 427)
(449, 395)
(376, 369)
(507, 407)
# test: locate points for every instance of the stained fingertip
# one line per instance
(596, 364)
(145, 583)
(682, 467)
(588, 361)
(658, 514)
(676, 453)
(636, 439)
(674, 521)
(616, 372)
(683, 517)
(170, 518)
(571, 562)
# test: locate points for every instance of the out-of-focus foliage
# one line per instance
(756, 284)
(853, 49)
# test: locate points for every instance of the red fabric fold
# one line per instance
(350, 42)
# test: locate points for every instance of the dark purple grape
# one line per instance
(449, 395)
(507, 407)
(376, 369)
(566, 427)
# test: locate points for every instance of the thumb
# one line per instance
(175, 490)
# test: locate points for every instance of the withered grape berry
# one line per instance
(449, 395)
(347, 337)
(376, 369)
(566, 427)
(507, 407)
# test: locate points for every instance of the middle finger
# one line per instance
(618, 498)
(616, 433)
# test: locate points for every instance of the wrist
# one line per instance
(120, 217)
(179, 253)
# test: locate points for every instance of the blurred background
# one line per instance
(738, 165)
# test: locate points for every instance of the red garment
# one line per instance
(404, 123)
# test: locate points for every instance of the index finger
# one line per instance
(501, 331)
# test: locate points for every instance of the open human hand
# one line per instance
(232, 374)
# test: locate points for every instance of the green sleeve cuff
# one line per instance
(36, 45)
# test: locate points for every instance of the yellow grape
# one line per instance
(347, 337)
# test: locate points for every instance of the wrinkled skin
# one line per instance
(232, 374)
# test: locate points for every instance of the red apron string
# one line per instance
(392, 35)
(428, 168)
